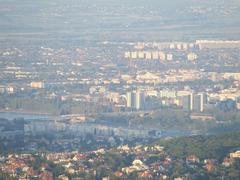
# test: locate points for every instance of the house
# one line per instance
(227, 162)
(106, 178)
(70, 170)
(100, 151)
(118, 174)
(178, 178)
(81, 168)
(137, 162)
(31, 172)
(46, 176)
(210, 164)
(128, 170)
(235, 154)
(163, 176)
(167, 161)
(79, 156)
(44, 166)
(124, 148)
(63, 177)
(145, 174)
(192, 159)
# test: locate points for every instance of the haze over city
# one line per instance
(110, 89)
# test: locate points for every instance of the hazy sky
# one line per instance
(94, 16)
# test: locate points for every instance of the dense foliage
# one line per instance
(213, 146)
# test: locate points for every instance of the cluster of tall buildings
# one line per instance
(148, 55)
(199, 44)
(188, 101)
(166, 45)
(194, 102)
(210, 44)
(156, 55)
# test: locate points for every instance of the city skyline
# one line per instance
(110, 89)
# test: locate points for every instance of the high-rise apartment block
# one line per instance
(135, 99)
(198, 102)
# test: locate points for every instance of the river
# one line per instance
(19, 115)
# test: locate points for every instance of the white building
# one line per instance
(135, 99)
(192, 56)
(169, 57)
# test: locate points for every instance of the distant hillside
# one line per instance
(214, 146)
(112, 19)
